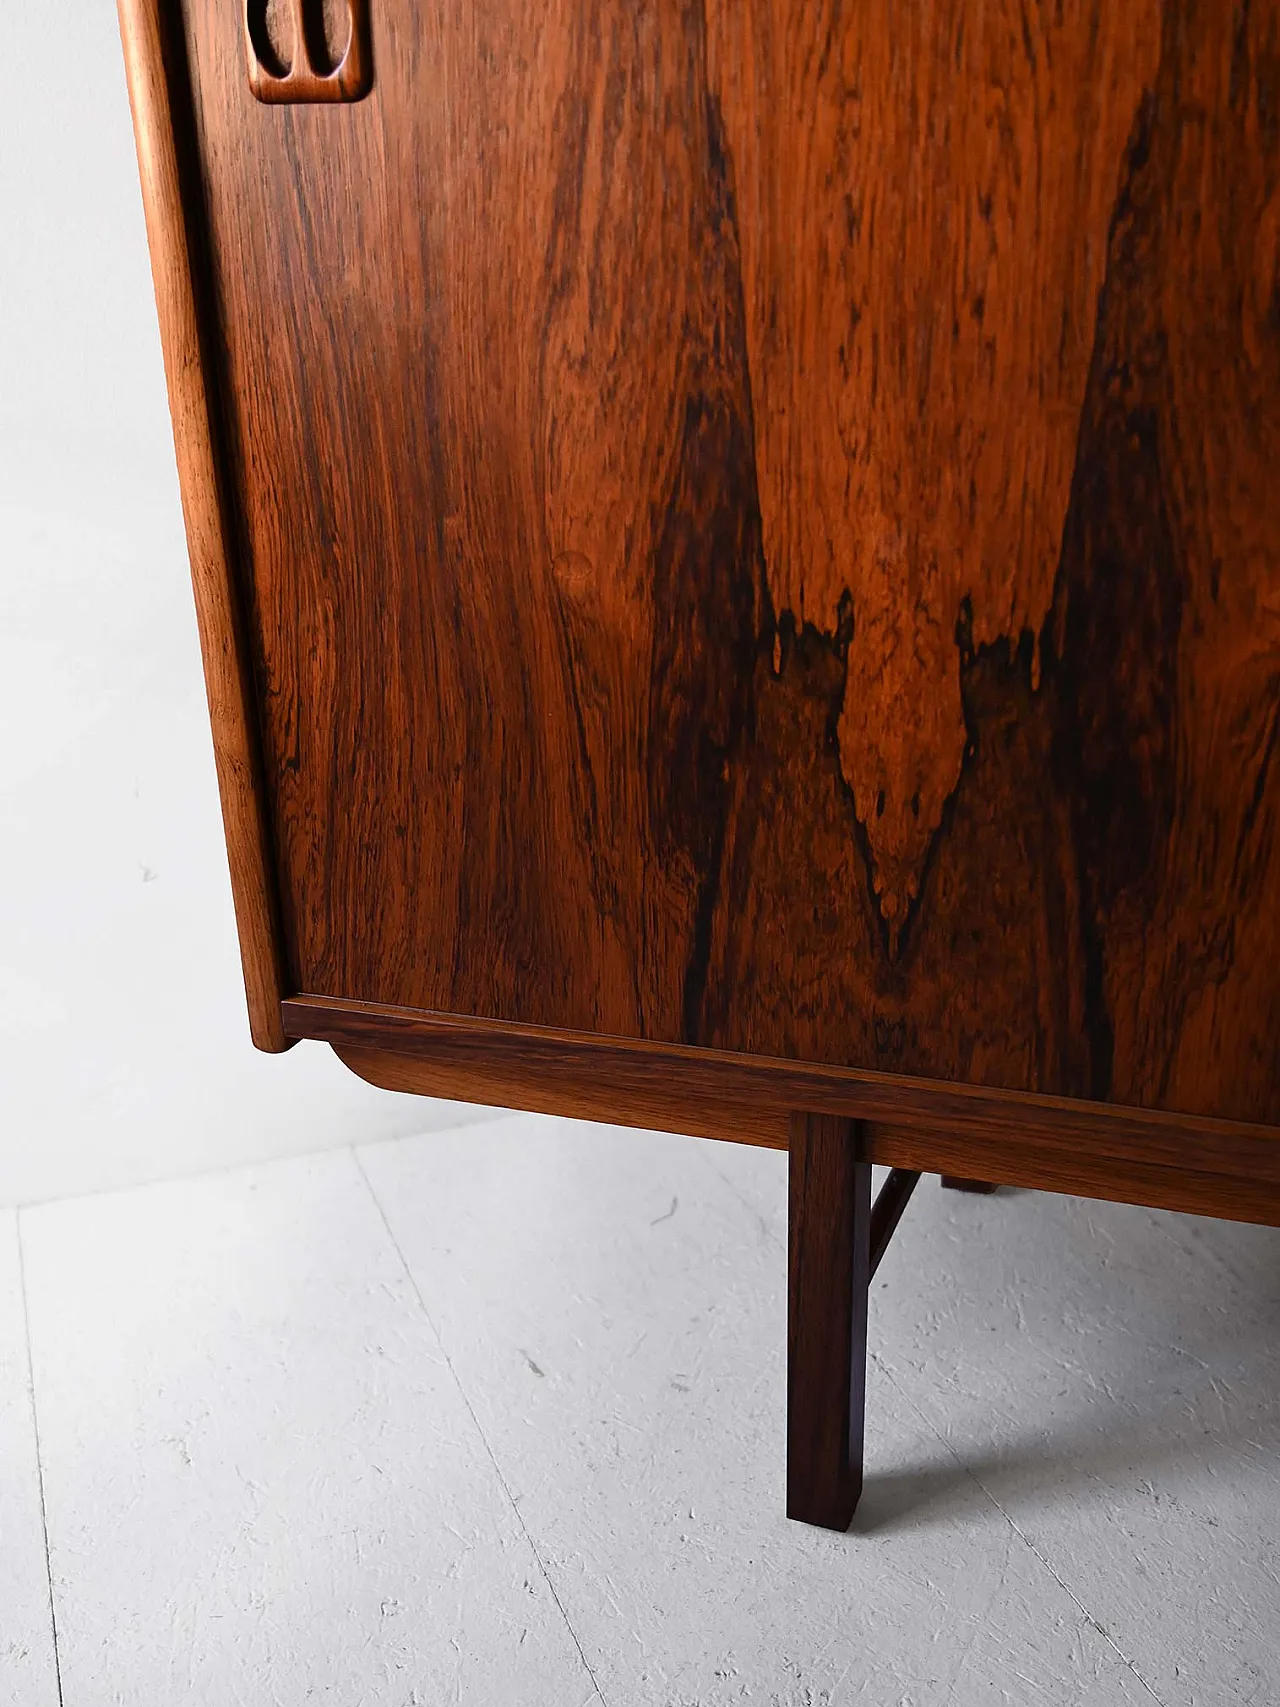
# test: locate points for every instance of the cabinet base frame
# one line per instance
(835, 1123)
(1128, 1155)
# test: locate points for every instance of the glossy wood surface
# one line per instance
(828, 1273)
(760, 531)
(307, 50)
(159, 94)
(932, 1147)
(576, 1090)
(1215, 1167)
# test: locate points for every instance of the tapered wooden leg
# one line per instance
(954, 1182)
(828, 1277)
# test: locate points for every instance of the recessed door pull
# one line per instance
(308, 50)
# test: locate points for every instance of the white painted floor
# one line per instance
(495, 1416)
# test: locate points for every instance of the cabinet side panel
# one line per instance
(158, 93)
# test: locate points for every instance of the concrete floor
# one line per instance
(496, 1416)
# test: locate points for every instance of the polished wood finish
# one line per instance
(159, 95)
(828, 1269)
(761, 532)
(307, 50)
(1233, 1196)
(576, 1091)
(886, 1212)
(1129, 1155)
(591, 1090)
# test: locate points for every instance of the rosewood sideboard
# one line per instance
(737, 551)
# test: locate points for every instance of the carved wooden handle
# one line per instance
(305, 68)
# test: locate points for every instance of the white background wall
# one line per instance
(124, 1049)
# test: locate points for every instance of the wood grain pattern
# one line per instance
(572, 1089)
(760, 531)
(307, 50)
(1100, 1150)
(935, 314)
(156, 71)
(1230, 1194)
(828, 1273)
(1098, 911)
(618, 1096)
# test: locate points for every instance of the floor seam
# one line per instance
(484, 1439)
(1017, 1529)
(35, 1429)
(218, 1170)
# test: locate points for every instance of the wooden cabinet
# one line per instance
(737, 545)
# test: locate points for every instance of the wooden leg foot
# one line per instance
(828, 1278)
(953, 1182)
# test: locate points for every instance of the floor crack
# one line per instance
(462, 1392)
(35, 1429)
